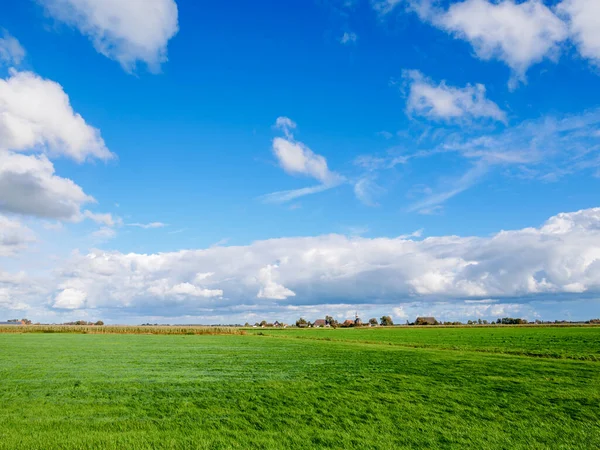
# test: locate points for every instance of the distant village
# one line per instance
(330, 322)
(386, 321)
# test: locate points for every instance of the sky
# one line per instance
(175, 161)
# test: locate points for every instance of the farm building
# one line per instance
(426, 321)
(319, 323)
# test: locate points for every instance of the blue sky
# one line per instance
(229, 162)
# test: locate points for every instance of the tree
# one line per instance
(386, 321)
(331, 322)
(485, 322)
(479, 321)
(99, 323)
(26, 321)
(263, 323)
(373, 321)
(301, 322)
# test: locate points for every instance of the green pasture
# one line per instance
(582, 342)
(93, 391)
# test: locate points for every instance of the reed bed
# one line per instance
(118, 329)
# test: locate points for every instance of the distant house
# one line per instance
(426, 321)
(319, 323)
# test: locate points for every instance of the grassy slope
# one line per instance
(553, 342)
(138, 391)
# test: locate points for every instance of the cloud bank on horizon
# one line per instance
(109, 199)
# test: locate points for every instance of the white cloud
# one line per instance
(286, 125)
(367, 190)
(11, 51)
(400, 313)
(551, 146)
(431, 203)
(519, 34)
(348, 38)
(545, 149)
(128, 31)
(70, 299)
(443, 102)
(103, 218)
(35, 114)
(29, 186)
(14, 236)
(287, 196)
(561, 257)
(269, 287)
(147, 226)
(297, 159)
(179, 290)
(583, 17)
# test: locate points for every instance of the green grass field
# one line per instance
(328, 389)
(581, 343)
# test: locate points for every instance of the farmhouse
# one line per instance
(319, 323)
(426, 321)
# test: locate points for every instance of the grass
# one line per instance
(86, 391)
(581, 343)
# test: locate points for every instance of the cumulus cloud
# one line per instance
(36, 117)
(29, 186)
(443, 102)
(14, 236)
(70, 299)
(583, 17)
(11, 52)
(518, 34)
(162, 289)
(269, 287)
(36, 114)
(296, 158)
(129, 31)
(561, 257)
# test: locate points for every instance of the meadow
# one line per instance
(386, 388)
(571, 342)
